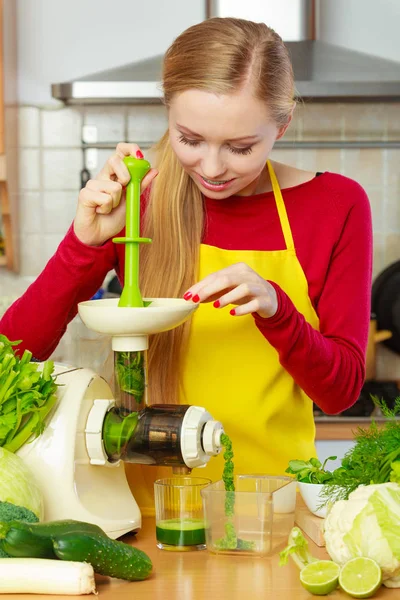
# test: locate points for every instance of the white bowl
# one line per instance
(310, 492)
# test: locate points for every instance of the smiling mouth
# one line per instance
(213, 182)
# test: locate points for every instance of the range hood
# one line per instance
(323, 72)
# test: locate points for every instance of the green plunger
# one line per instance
(131, 296)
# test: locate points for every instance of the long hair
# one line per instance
(219, 55)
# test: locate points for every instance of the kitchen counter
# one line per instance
(204, 576)
(342, 428)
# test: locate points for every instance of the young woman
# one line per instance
(279, 258)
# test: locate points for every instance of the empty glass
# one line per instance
(254, 519)
(179, 513)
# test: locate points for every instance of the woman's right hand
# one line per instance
(101, 203)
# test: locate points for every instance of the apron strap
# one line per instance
(280, 205)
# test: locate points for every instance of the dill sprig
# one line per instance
(371, 460)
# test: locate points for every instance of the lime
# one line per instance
(320, 577)
(360, 577)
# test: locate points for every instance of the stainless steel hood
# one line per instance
(323, 72)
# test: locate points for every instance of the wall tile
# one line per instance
(32, 259)
(379, 248)
(61, 169)
(365, 166)
(30, 213)
(61, 127)
(392, 212)
(295, 129)
(320, 160)
(29, 126)
(51, 242)
(109, 120)
(377, 200)
(393, 120)
(365, 121)
(29, 169)
(288, 156)
(59, 210)
(393, 167)
(392, 253)
(146, 123)
(323, 122)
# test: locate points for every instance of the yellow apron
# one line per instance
(233, 371)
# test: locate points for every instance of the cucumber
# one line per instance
(35, 540)
(107, 556)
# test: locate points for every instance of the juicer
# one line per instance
(78, 460)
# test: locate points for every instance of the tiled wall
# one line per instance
(51, 159)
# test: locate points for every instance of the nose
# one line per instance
(212, 165)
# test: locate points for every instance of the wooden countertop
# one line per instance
(204, 576)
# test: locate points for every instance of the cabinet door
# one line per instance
(8, 135)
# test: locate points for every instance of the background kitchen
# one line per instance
(56, 137)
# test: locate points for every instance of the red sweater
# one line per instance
(331, 224)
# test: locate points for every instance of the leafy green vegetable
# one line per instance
(297, 548)
(27, 395)
(395, 472)
(130, 371)
(12, 512)
(367, 524)
(371, 460)
(17, 485)
(311, 471)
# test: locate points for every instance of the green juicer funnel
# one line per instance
(131, 296)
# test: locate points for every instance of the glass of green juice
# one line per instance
(179, 513)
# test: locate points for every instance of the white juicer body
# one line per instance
(73, 488)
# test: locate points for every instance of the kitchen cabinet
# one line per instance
(8, 137)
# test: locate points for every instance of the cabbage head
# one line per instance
(367, 524)
(17, 484)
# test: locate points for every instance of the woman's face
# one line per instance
(222, 142)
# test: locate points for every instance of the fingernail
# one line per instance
(196, 298)
(139, 154)
(232, 312)
(217, 304)
(187, 296)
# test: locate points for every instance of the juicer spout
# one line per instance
(181, 470)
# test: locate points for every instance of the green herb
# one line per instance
(27, 395)
(130, 372)
(311, 471)
(373, 459)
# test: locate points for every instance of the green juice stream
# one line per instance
(230, 541)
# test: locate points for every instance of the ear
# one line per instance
(282, 130)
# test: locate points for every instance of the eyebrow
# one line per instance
(238, 139)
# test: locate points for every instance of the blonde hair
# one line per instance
(219, 55)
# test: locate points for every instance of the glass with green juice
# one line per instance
(179, 513)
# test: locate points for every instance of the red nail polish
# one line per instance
(139, 154)
(187, 296)
(232, 312)
(196, 298)
(217, 304)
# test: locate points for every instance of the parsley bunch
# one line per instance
(26, 396)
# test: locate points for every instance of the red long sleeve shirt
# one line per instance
(331, 225)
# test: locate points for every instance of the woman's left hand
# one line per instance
(237, 284)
